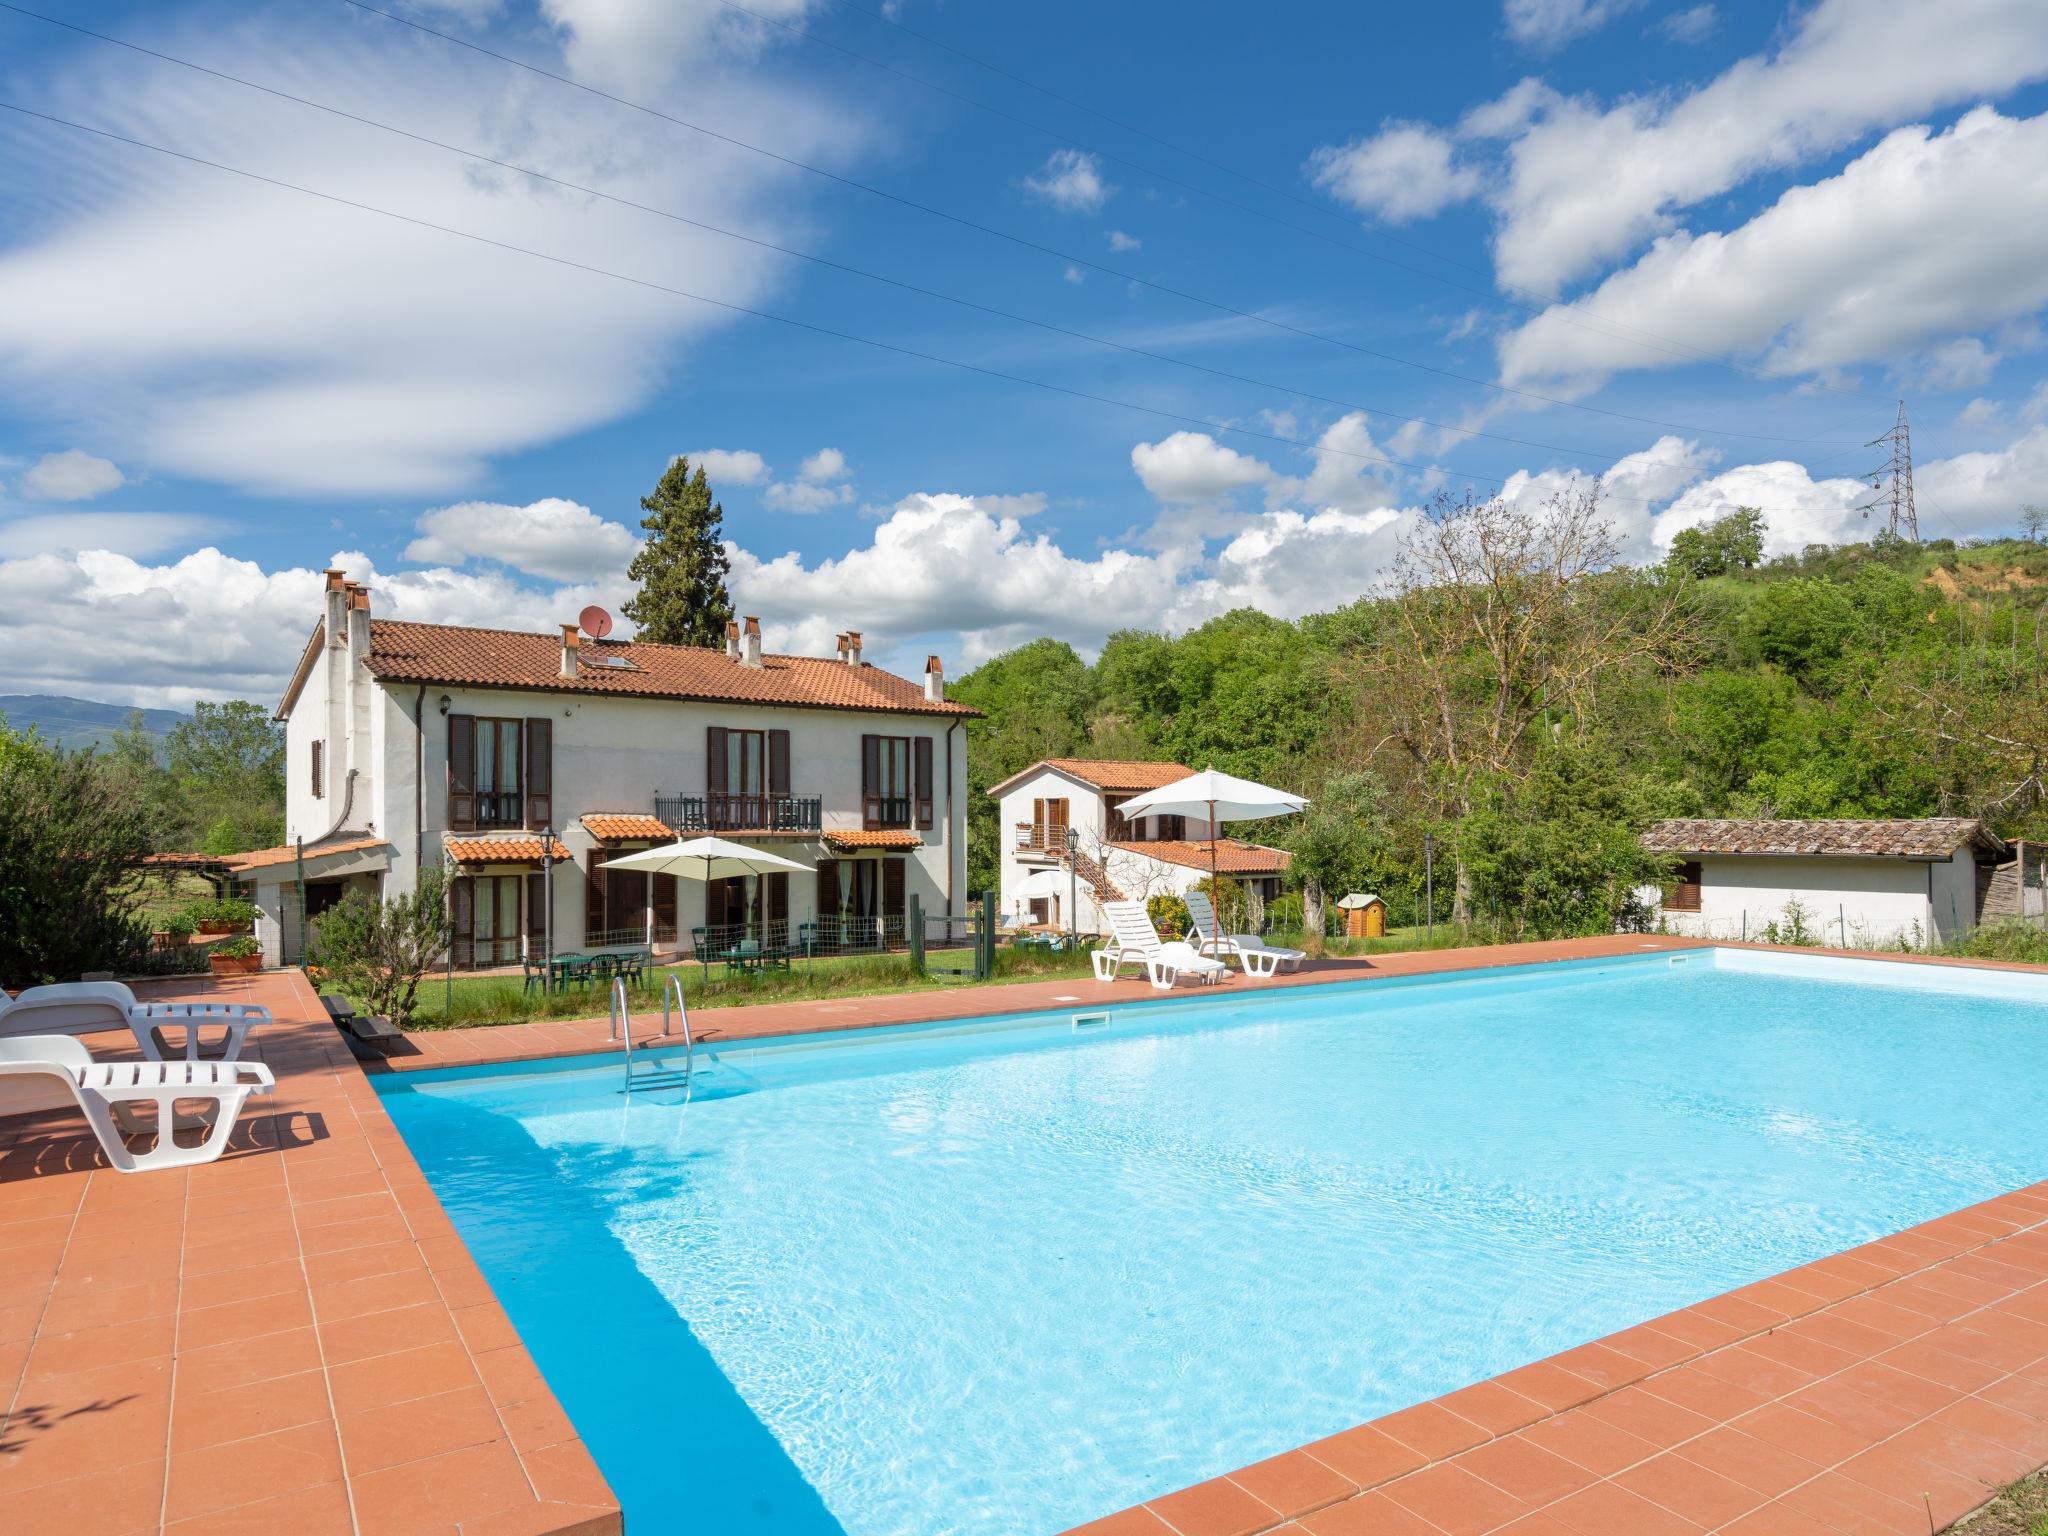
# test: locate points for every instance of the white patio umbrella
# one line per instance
(1217, 797)
(706, 859)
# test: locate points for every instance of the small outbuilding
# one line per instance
(1854, 883)
(1365, 915)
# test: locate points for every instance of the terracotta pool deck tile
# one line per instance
(1688, 1489)
(1767, 1467)
(222, 1477)
(1602, 1364)
(1592, 1443)
(1218, 1507)
(343, 1341)
(1747, 1365)
(1517, 1465)
(1700, 1390)
(421, 1427)
(1656, 1348)
(321, 1510)
(1371, 1514)
(1493, 1407)
(447, 1492)
(1366, 1456)
(383, 1381)
(110, 1345)
(205, 1419)
(1456, 1501)
(1293, 1484)
(1640, 1412)
(123, 1501)
(1927, 1359)
(1777, 1520)
(1128, 1522)
(1549, 1384)
(229, 1322)
(1857, 1509)
(1432, 1429)
(1608, 1509)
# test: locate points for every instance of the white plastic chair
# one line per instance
(85, 1007)
(1256, 956)
(53, 1071)
(1134, 941)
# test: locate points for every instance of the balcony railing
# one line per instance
(885, 811)
(495, 809)
(1050, 841)
(741, 813)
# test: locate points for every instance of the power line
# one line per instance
(1070, 257)
(1527, 299)
(824, 261)
(761, 314)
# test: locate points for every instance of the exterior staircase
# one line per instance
(1093, 875)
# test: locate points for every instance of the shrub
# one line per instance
(180, 925)
(378, 951)
(1169, 914)
(238, 949)
(226, 909)
(2009, 939)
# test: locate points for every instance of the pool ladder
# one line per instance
(657, 1076)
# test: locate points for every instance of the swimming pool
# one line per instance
(1006, 1278)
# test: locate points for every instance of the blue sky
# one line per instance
(1720, 241)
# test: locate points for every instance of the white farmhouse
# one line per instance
(417, 745)
(1855, 883)
(1062, 816)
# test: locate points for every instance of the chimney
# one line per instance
(750, 643)
(571, 649)
(934, 681)
(358, 621)
(732, 639)
(853, 647)
(336, 597)
(839, 644)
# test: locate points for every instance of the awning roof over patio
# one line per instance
(499, 850)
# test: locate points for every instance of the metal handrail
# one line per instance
(622, 1030)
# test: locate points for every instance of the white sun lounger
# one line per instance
(55, 1071)
(1134, 941)
(84, 1007)
(1256, 956)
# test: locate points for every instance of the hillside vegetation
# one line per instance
(1530, 701)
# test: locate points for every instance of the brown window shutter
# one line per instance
(462, 907)
(892, 887)
(319, 765)
(540, 773)
(828, 890)
(536, 911)
(593, 902)
(462, 772)
(778, 763)
(921, 750)
(665, 905)
(870, 781)
(714, 759)
(1038, 823)
(778, 899)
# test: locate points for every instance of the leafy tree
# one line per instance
(1728, 544)
(1802, 625)
(1337, 841)
(378, 951)
(681, 569)
(1037, 700)
(226, 768)
(71, 848)
(2034, 520)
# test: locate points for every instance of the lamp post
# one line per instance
(547, 900)
(1429, 881)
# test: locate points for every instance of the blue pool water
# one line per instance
(1005, 1280)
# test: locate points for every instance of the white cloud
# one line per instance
(1923, 237)
(1405, 171)
(1798, 510)
(825, 464)
(818, 486)
(1660, 471)
(1548, 24)
(1981, 493)
(170, 307)
(1344, 479)
(1071, 180)
(1980, 414)
(1587, 184)
(1074, 275)
(125, 533)
(1194, 467)
(730, 466)
(1964, 363)
(637, 47)
(1694, 24)
(70, 476)
(549, 538)
(1119, 241)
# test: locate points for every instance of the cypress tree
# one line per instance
(682, 567)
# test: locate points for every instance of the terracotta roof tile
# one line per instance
(865, 839)
(1232, 857)
(498, 850)
(262, 857)
(502, 658)
(623, 826)
(1933, 837)
(1107, 773)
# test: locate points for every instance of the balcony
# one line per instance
(885, 812)
(496, 809)
(1046, 842)
(689, 814)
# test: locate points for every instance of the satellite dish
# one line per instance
(594, 622)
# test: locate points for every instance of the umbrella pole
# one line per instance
(1213, 891)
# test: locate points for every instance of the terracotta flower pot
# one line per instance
(221, 925)
(234, 965)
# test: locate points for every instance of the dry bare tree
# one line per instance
(1506, 618)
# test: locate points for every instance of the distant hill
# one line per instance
(80, 723)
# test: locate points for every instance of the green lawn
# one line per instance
(470, 1000)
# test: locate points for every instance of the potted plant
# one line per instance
(178, 929)
(224, 916)
(236, 957)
